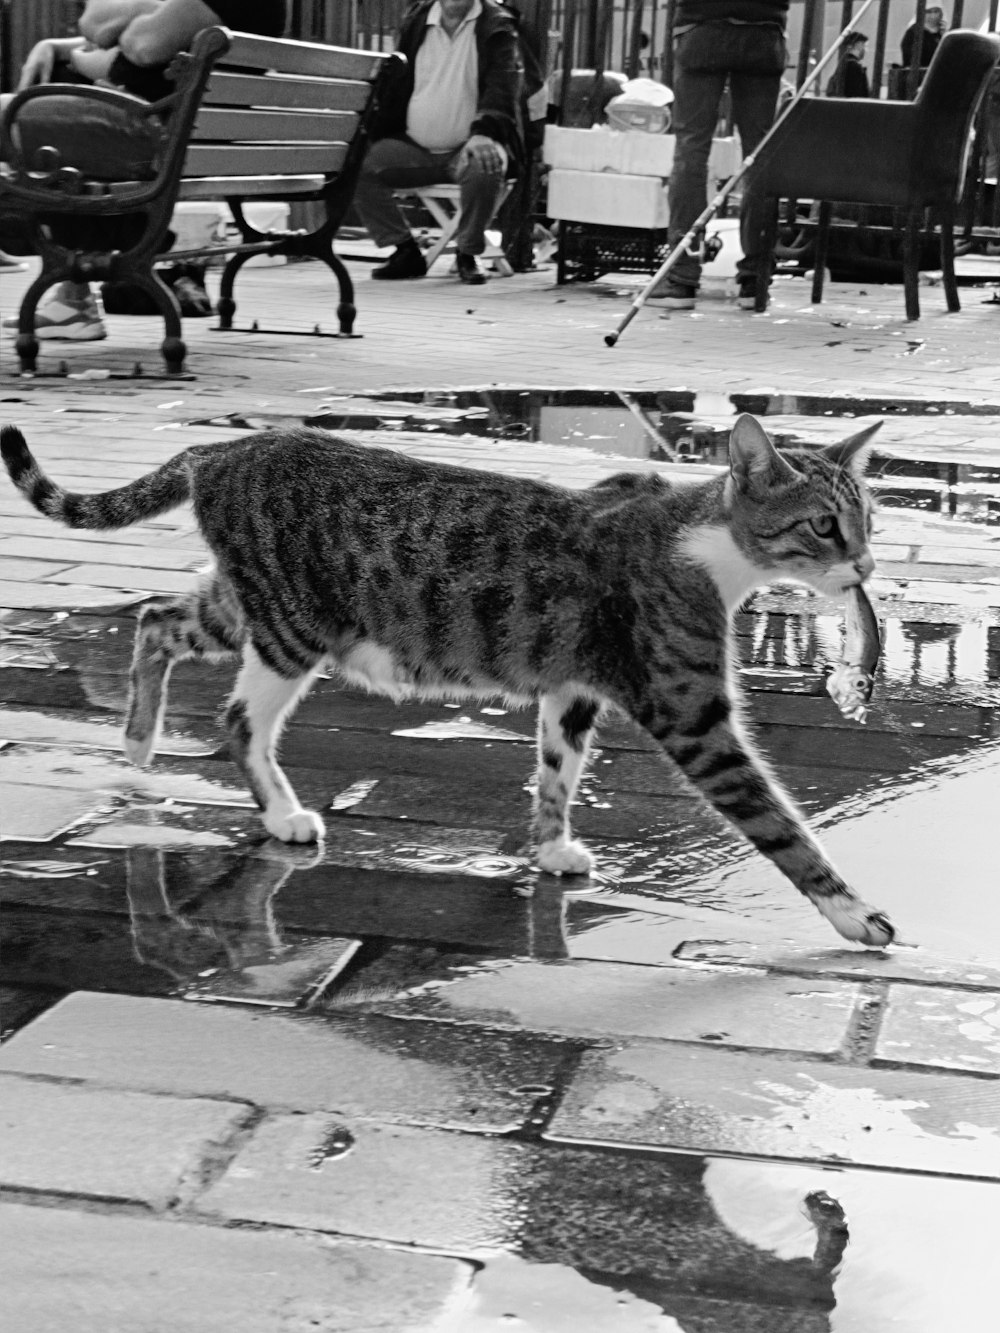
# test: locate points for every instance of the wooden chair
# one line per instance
(444, 205)
(907, 155)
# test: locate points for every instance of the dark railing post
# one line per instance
(809, 16)
(632, 64)
(913, 77)
(881, 36)
(667, 64)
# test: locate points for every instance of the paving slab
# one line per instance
(28, 816)
(391, 1071)
(608, 999)
(100, 733)
(107, 1144)
(98, 1274)
(395, 1183)
(941, 1028)
(732, 1102)
(872, 965)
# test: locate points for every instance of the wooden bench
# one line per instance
(251, 118)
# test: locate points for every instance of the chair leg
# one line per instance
(766, 261)
(447, 216)
(822, 250)
(911, 263)
(948, 260)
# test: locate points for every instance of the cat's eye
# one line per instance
(824, 526)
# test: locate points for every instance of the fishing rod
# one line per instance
(702, 221)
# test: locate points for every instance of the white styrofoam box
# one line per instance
(195, 222)
(608, 198)
(631, 152)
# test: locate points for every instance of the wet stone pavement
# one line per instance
(406, 1082)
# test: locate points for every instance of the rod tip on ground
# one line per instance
(610, 339)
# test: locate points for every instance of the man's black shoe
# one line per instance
(468, 270)
(406, 261)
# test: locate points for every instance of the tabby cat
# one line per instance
(419, 579)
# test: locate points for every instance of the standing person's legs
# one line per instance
(697, 96)
(393, 164)
(755, 97)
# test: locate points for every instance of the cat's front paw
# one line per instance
(295, 826)
(857, 921)
(560, 857)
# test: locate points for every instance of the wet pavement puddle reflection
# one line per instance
(830, 1251)
(689, 999)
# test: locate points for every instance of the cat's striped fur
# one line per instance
(420, 579)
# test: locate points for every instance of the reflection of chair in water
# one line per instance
(922, 634)
(908, 155)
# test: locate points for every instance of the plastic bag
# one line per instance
(643, 104)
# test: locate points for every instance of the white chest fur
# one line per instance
(712, 547)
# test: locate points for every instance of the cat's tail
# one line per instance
(155, 493)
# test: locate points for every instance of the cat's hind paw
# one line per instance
(295, 826)
(561, 857)
(857, 921)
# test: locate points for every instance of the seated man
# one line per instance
(454, 113)
(125, 44)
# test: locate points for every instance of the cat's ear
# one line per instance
(754, 462)
(855, 451)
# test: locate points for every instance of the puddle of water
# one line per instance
(918, 1252)
(924, 852)
(677, 425)
(459, 728)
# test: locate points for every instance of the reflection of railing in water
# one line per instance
(920, 652)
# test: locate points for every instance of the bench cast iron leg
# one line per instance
(225, 306)
(26, 344)
(346, 310)
(172, 348)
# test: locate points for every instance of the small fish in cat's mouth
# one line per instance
(851, 682)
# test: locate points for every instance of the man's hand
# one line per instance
(42, 59)
(486, 154)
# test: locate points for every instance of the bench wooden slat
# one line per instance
(263, 159)
(302, 57)
(293, 94)
(243, 125)
(245, 187)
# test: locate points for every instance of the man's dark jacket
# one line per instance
(500, 107)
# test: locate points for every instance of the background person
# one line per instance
(930, 37)
(850, 79)
(739, 43)
(453, 114)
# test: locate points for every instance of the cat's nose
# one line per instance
(865, 565)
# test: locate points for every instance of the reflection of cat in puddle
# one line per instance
(191, 915)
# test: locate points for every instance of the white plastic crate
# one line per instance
(607, 197)
(629, 152)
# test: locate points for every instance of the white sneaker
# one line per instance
(67, 319)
